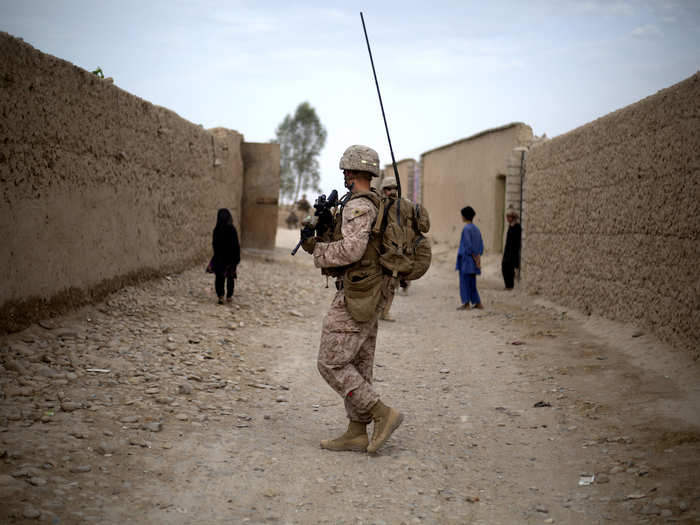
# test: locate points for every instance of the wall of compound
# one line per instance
(99, 187)
(613, 215)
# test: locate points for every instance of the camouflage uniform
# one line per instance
(346, 351)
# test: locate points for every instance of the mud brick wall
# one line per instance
(260, 195)
(99, 187)
(613, 216)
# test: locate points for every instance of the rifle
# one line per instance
(321, 220)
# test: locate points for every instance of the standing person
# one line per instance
(471, 246)
(389, 190)
(292, 220)
(227, 254)
(511, 253)
(303, 205)
(349, 332)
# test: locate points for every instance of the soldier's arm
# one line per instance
(358, 217)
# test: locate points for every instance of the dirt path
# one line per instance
(213, 414)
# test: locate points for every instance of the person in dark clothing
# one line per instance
(511, 253)
(292, 220)
(303, 205)
(227, 254)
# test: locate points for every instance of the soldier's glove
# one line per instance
(309, 244)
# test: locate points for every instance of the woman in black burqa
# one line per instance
(227, 254)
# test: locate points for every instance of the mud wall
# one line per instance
(470, 172)
(99, 187)
(613, 215)
(260, 195)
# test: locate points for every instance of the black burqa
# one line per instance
(511, 255)
(227, 251)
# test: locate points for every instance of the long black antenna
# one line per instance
(386, 126)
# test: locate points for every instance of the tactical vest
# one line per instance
(362, 280)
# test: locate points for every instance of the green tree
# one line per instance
(301, 138)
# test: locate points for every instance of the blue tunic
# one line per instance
(470, 244)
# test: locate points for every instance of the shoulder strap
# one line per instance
(384, 208)
(372, 196)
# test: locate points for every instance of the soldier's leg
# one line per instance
(358, 404)
(341, 340)
(361, 403)
(391, 291)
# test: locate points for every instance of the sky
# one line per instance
(446, 69)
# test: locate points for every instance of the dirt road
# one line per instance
(159, 406)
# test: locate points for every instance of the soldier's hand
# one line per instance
(309, 244)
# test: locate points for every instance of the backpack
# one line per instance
(405, 251)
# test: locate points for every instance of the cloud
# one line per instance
(616, 7)
(647, 31)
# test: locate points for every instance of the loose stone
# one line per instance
(153, 426)
(105, 448)
(184, 388)
(37, 481)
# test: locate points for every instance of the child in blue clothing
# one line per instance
(471, 246)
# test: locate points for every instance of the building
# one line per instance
(474, 171)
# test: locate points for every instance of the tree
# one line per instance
(301, 138)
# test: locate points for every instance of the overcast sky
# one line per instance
(447, 69)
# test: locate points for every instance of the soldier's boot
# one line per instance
(355, 438)
(386, 420)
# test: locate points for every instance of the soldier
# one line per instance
(292, 220)
(303, 205)
(349, 333)
(389, 191)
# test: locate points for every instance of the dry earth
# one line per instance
(159, 406)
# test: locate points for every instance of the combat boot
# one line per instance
(355, 438)
(386, 420)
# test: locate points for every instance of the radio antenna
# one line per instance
(386, 126)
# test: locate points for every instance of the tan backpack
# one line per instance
(405, 251)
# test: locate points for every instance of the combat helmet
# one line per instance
(389, 183)
(360, 158)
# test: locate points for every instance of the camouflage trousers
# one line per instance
(391, 291)
(346, 356)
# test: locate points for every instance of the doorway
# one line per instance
(500, 210)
